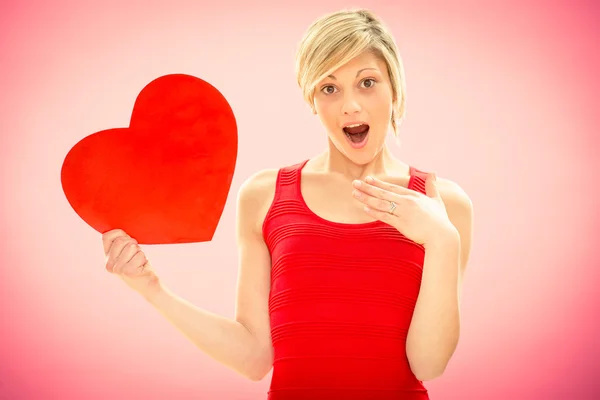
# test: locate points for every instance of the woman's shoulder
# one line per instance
(257, 193)
(454, 196)
(459, 209)
(262, 182)
(259, 185)
(254, 197)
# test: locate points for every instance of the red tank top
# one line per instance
(341, 302)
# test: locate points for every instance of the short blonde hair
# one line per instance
(335, 39)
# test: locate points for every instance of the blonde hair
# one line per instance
(335, 39)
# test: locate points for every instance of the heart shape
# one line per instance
(164, 179)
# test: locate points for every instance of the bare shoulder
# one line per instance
(258, 186)
(453, 195)
(460, 212)
(256, 195)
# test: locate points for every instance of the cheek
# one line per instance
(383, 98)
(381, 107)
(327, 112)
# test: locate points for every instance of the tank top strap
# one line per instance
(288, 182)
(417, 180)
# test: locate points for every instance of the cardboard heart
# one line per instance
(164, 179)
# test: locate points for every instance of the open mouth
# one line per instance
(356, 133)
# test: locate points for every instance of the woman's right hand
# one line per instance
(125, 258)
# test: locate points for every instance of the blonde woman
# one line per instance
(351, 262)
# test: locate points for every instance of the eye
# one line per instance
(325, 89)
(373, 81)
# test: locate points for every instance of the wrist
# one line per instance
(154, 291)
(443, 238)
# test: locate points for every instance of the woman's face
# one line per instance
(359, 92)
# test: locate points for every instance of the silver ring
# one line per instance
(392, 207)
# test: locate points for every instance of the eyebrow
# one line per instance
(358, 73)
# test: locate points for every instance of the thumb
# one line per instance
(431, 186)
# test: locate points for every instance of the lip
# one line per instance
(354, 123)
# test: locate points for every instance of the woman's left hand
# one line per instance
(421, 218)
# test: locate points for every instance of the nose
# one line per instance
(350, 105)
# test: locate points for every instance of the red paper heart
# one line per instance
(166, 178)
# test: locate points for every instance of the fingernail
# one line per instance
(369, 179)
(357, 183)
(356, 193)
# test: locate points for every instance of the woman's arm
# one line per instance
(435, 326)
(244, 343)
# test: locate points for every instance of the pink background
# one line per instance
(502, 98)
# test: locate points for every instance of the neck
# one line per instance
(383, 164)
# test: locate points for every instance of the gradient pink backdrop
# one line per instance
(502, 98)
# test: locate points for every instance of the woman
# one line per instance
(350, 262)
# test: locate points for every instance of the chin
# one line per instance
(361, 156)
(360, 159)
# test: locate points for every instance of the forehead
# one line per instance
(364, 60)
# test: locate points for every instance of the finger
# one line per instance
(116, 248)
(378, 183)
(126, 255)
(109, 237)
(374, 191)
(383, 216)
(379, 204)
(136, 264)
(371, 201)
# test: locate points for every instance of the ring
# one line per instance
(392, 207)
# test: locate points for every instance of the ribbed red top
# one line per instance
(342, 298)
